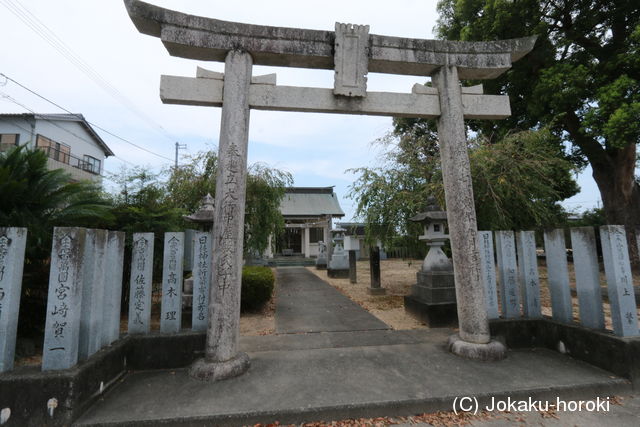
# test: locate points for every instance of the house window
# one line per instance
(55, 150)
(91, 164)
(316, 235)
(8, 140)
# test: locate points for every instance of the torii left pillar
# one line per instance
(222, 358)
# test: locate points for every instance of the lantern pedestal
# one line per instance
(433, 299)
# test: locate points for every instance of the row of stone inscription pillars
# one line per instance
(83, 302)
(519, 280)
(85, 288)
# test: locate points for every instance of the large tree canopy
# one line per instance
(581, 80)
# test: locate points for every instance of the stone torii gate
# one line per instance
(351, 52)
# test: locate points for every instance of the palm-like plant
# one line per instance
(34, 197)
(37, 198)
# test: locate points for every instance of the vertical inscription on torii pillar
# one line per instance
(230, 219)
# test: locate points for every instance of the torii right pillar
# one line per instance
(474, 339)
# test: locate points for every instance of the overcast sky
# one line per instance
(315, 148)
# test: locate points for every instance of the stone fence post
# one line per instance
(113, 287)
(12, 246)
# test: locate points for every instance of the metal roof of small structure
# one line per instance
(67, 118)
(310, 202)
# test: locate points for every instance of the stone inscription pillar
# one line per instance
(222, 359)
(615, 253)
(12, 246)
(140, 284)
(456, 173)
(488, 269)
(62, 329)
(201, 281)
(113, 287)
(92, 293)
(171, 309)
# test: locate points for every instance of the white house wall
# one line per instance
(72, 134)
(21, 126)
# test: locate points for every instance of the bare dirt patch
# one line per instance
(396, 275)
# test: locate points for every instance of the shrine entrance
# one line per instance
(351, 52)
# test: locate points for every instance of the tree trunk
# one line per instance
(614, 174)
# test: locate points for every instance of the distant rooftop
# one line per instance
(310, 202)
(68, 118)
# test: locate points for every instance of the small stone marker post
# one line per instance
(12, 246)
(201, 281)
(353, 278)
(374, 268)
(171, 310)
(92, 293)
(140, 284)
(62, 328)
(585, 264)
(113, 287)
(528, 274)
(615, 253)
(507, 268)
(488, 269)
(556, 256)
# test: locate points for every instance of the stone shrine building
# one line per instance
(308, 213)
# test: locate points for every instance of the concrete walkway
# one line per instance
(305, 303)
(328, 375)
(339, 375)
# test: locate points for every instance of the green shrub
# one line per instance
(257, 287)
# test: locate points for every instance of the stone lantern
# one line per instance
(434, 222)
(433, 297)
(339, 263)
(203, 216)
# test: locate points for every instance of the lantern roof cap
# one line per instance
(433, 213)
(205, 213)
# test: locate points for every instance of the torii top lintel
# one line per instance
(208, 39)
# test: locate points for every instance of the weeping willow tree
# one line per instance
(265, 189)
(517, 181)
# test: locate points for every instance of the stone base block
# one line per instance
(338, 274)
(321, 265)
(436, 279)
(216, 371)
(491, 351)
(433, 295)
(436, 315)
(376, 291)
